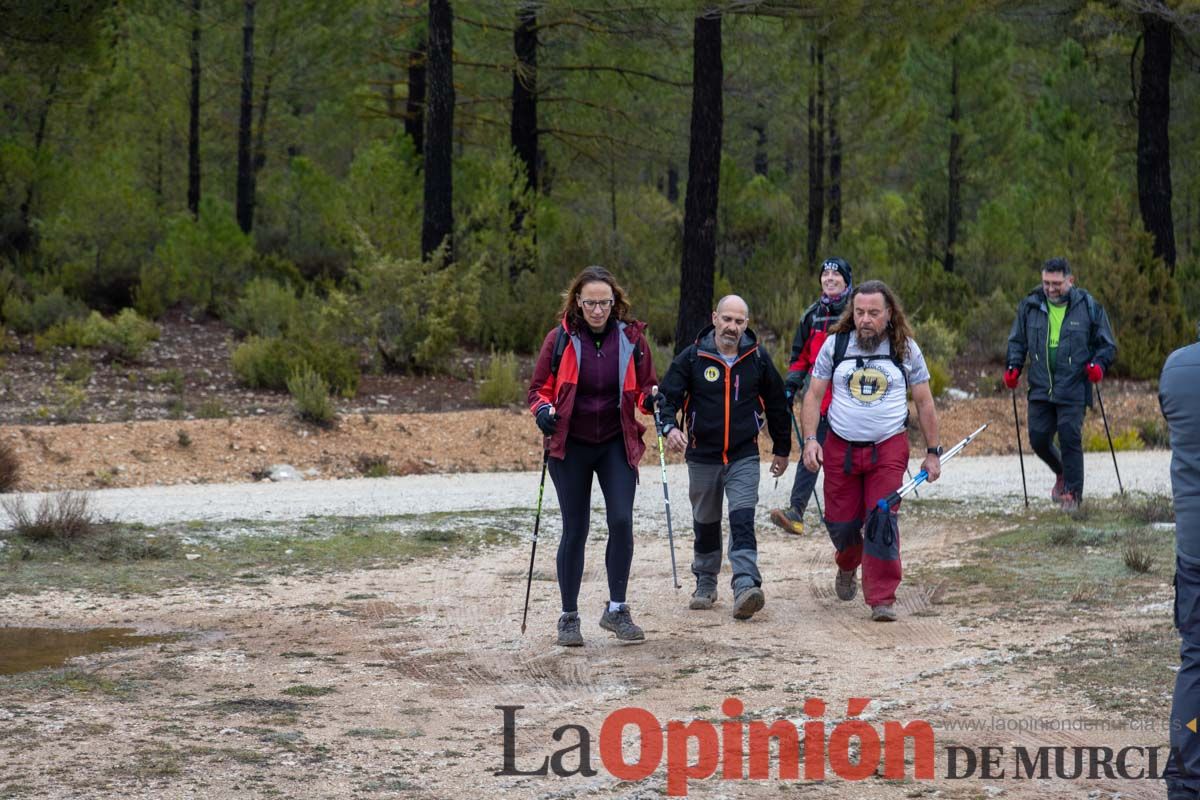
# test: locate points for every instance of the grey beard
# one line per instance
(869, 342)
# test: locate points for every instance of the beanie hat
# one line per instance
(841, 265)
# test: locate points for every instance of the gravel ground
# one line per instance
(996, 478)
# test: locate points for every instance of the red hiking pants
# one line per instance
(856, 478)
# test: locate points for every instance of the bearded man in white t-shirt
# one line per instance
(872, 362)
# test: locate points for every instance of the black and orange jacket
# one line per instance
(550, 388)
(725, 407)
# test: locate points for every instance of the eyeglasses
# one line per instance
(591, 305)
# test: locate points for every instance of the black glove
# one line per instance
(546, 421)
(652, 401)
(793, 386)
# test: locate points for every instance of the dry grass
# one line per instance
(63, 517)
(10, 467)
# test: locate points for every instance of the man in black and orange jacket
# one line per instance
(727, 389)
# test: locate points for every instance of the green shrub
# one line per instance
(268, 363)
(937, 340)
(310, 396)
(939, 378)
(1097, 441)
(265, 308)
(413, 314)
(172, 378)
(78, 370)
(372, 465)
(200, 262)
(1153, 431)
(124, 337)
(1137, 551)
(211, 409)
(42, 312)
(500, 383)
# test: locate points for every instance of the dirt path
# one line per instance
(415, 658)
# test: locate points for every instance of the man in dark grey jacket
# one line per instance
(1179, 396)
(1070, 345)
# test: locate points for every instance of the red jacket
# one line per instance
(558, 390)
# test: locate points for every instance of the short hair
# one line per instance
(1057, 264)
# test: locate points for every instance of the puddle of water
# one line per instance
(28, 649)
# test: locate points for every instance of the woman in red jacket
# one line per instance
(593, 370)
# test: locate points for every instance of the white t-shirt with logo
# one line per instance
(869, 402)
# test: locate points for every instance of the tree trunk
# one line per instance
(193, 191)
(245, 158)
(260, 146)
(672, 184)
(816, 151)
(835, 161)
(954, 166)
(704, 172)
(23, 239)
(1153, 142)
(523, 130)
(414, 108)
(437, 225)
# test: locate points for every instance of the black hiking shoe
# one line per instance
(568, 631)
(747, 602)
(620, 623)
(705, 594)
(846, 584)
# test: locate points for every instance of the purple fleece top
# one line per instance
(596, 416)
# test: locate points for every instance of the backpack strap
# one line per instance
(560, 347)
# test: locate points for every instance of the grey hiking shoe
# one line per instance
(568, 631)
(705, 594)
(846, 584)
(747, 602)
(883, 614)
(620, 622)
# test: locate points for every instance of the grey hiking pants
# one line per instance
(708, 486)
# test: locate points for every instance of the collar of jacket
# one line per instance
(1039, 299)
(706, 340)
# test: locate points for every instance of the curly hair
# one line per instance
(593, 274)
(898, 331)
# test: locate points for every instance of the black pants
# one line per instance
(1047, 419)
(572, 476)
(802, 488)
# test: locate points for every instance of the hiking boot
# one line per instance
(568, 631)
(620, 622)
(883, 614)
(747, 602)
(1069, 502)
(705, 594)
(788, 519)
(846, 584)
(1056, 493)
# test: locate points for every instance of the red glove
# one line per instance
(1095, 372)
(1012, 376)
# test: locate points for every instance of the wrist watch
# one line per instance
(808, 439)
(935, 451)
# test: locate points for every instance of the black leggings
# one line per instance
(572, 477)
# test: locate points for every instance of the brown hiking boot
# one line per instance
(788, 519)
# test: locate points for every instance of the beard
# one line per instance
(869, 340)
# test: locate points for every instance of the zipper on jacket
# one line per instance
(728, 375)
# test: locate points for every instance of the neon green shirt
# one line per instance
(1057, 313)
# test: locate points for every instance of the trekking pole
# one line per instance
(662, 462)
(885, 503)
(908, 472)
(800, 440)
(1109, 435)
(1020, 449)
(537, 522)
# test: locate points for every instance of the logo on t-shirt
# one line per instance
(711, 374)
(867, 385)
